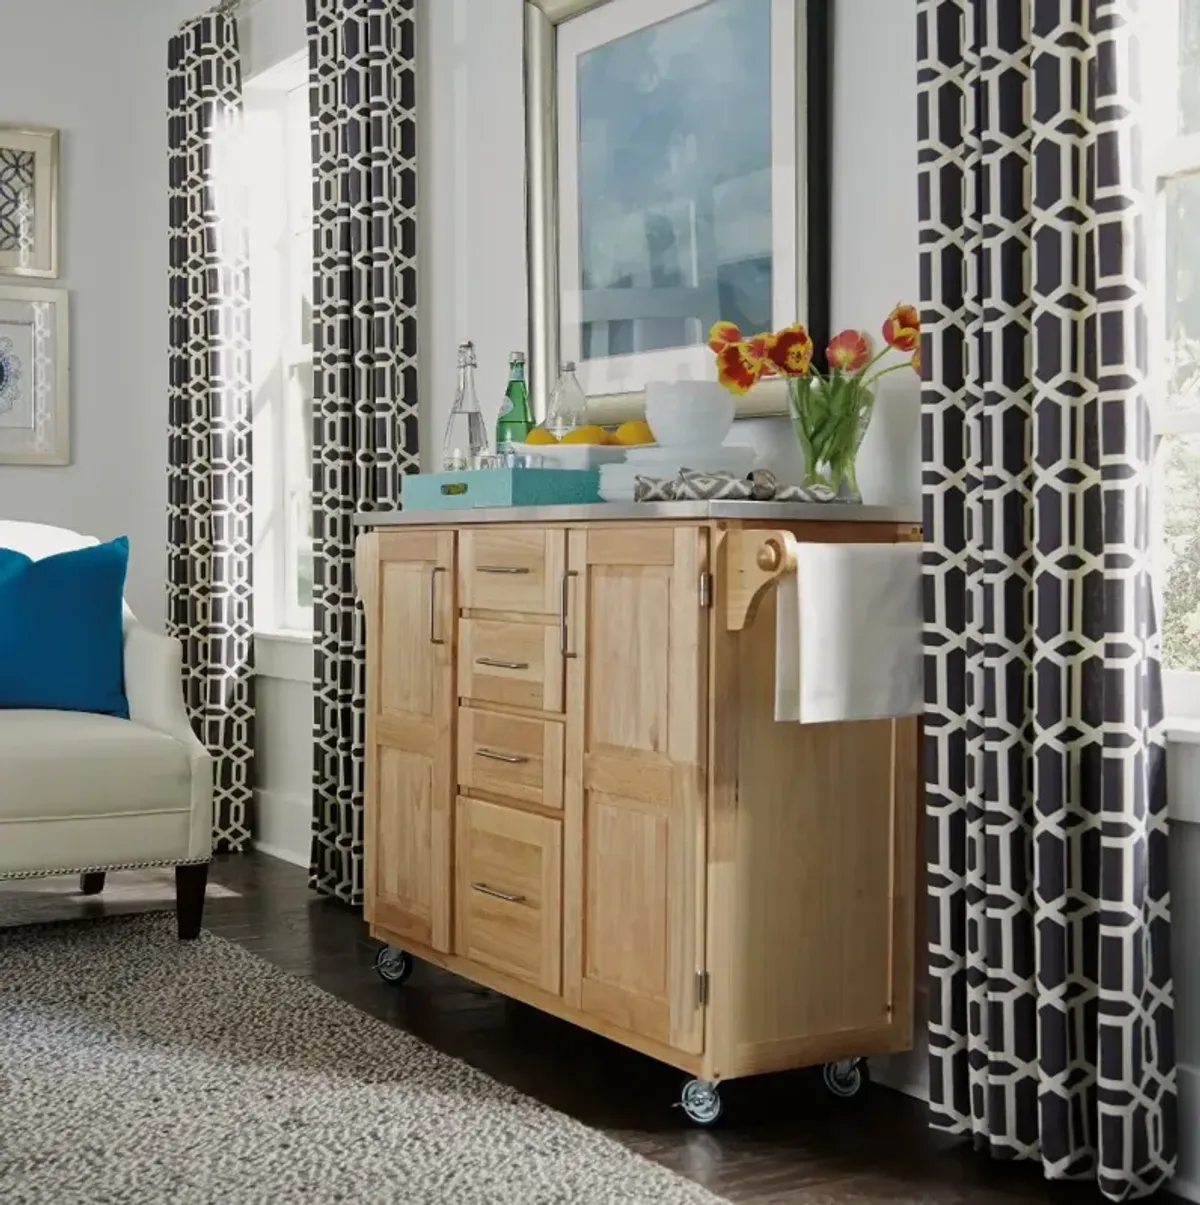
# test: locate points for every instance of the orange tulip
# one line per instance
(916, 360)
(848, 351)
(791, 351)
(902, 329)
(737, 369)
(723, 335)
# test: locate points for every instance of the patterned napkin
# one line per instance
(760, 486)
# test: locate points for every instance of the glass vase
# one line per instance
(830, 416)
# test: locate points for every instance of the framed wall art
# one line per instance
(28, 201)
(34, 377)
(678, 174)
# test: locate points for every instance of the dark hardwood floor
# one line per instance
(784, 1139)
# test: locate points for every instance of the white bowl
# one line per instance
(689, 412)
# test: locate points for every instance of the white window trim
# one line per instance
(1174, 156)
(280, 622)
(285, 657)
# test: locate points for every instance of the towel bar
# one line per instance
(755, 560)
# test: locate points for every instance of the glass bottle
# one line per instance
(466, 435)
(568, 405)
(515, 420)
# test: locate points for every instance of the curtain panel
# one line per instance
(363, 97)
(209, 501)
(1050, 1028)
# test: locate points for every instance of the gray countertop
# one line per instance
(601, 512)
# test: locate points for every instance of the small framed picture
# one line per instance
(35, 389)
(28, 201)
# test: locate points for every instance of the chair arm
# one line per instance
(154, 688)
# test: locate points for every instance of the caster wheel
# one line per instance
(393, 966)
(701, 1102)
(847, 1077)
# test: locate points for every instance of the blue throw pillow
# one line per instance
(61, 639)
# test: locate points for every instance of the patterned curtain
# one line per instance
(209, 538)
(363, 90)
(1051, 1029)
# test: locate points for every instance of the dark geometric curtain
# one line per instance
(209, 505)
(363, 95)
(1050, 991)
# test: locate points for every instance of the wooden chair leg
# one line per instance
(91, 883)
(190, 882)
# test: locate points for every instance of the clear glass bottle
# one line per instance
(466, 435)
(568, 405)
(515, 420)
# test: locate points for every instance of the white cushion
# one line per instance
(59, 765)
(37, 540)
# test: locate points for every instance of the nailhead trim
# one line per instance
(46, 874)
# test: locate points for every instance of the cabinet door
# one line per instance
(407, 583)
(634, 846)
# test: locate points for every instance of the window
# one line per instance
(281, 274)
(1174, 126)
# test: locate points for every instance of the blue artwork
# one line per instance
(675, 179)
(10, 375)
(16, 199)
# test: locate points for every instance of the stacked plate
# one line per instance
(617, 481)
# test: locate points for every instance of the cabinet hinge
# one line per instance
(706, 590)
(702, 985)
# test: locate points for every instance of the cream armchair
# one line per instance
(86, 794)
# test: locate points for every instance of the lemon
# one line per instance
(539, 435)
(589, 434)
(631, 434)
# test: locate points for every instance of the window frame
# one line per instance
(1172, 156)
(281, 345)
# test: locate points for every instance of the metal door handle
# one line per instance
(484, 889)
(563, 605)
(495, 664)
(433, 639)
(511, 759)
(501, 569)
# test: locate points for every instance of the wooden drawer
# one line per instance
(515, 663)
(506, 755)
(511, 569)
(509, 908)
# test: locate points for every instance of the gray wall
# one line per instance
(98, 73)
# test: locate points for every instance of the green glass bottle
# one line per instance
(515, 420)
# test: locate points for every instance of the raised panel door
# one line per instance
(407, 583)
(634, 867)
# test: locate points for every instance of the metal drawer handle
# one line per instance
(495, 664)
(484, 889)
(564, 601)
(511, 759)
(433, 637)
(502, 569)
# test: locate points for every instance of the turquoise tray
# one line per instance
(499, 487)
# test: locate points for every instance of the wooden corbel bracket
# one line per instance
(754, 562)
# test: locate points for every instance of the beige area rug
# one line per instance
(39, 901)
(135, 1068)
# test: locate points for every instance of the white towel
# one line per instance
(848, 634)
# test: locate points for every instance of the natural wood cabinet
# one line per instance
(577, 793)
(509, 890)
(407, 585)
(635, 797)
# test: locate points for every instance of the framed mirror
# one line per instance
(679, 173)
